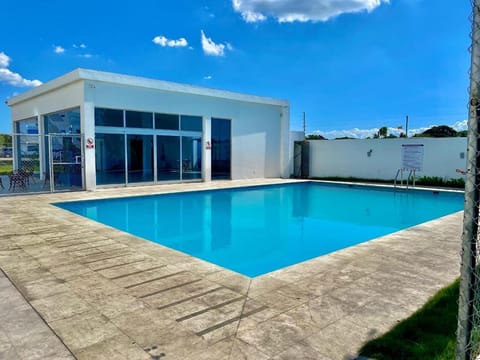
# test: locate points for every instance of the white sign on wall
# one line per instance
(412, 157)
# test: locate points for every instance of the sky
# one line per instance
(351, 66)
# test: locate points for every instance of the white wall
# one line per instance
(258, 141)
(349, 158)
(69, 96)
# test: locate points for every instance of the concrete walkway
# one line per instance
(23, 333)
(110, 295)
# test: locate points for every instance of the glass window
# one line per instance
(108, 117)
(140, 158)
(139, 119)
(166, 121)
(191, 123)
(168, 158)
(110, 158)
(27, 126)
(63, 122)
(191, 157)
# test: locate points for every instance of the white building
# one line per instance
(92, 129)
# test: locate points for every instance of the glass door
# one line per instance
(64, 159)
(221, 149)
(140, 158)
(168, 158)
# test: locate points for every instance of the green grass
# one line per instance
(5, 167)
(427, 334)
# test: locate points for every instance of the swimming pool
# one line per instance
(256, 230)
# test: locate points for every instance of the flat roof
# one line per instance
(128, 80)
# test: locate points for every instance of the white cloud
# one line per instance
(15, 79)
(460, 125)
(81, 46)
(208, 77)
(301, 10)
(211, 48)
(86, 56)
(4, 60)
(357, 133)
(11, 78)
(163, 41)
(58, 50)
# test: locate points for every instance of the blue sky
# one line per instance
(351, 65)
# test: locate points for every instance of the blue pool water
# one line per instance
(260, 229)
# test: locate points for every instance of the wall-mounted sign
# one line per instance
(208, 145)
(412, 157)
(90, 144)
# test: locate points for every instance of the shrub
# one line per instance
(438, 181)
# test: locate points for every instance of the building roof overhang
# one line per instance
(128, 80)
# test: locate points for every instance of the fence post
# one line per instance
(467, 348)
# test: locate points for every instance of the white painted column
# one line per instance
(207, 149)
(88, 129)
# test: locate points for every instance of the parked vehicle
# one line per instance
(6, 152)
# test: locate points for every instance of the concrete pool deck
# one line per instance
(110, 295)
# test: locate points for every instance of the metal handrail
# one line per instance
(411, 174)
(399, 172)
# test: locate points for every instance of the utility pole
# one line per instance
(304, 124)
(406, 126)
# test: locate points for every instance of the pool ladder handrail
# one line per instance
(400, 172)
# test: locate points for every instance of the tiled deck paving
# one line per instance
(110, 295)
(23, 334)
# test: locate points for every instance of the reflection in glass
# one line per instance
(140, 158)
(191, 157)
(28, 154)
(139, 119)
(191, 123)
(66, 177)
(110, 158)
(221, 144)
(108, 117)
(63, 122)
(166, 121)
(168, 158)
(27, 126)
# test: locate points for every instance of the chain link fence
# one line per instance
(468, 333)
(32, 163)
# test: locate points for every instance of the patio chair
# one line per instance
(18, 179)
(28, 167)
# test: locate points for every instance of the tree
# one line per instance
(5, 140)
(382, 132)
(438, 131)
(315, 137)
